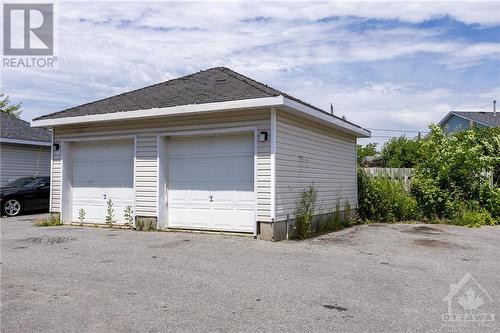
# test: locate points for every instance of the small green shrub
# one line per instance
(110, 217)
(489, 198)
(52, 220)
(472, 215)
(81, 215)
(334, 223)
(304, 212)
(346, 221)
(128, 216)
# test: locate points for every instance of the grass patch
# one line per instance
(50, 221)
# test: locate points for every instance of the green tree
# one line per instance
(369, 149)
(455, 171)
(401, 152)
(9, 108)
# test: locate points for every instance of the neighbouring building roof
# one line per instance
(213, 85)
(372, 161)
(13, 128)
(482, 117)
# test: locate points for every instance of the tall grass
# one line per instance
(384, 200)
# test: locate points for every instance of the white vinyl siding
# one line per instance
(17, 160)
(146, 164)
(308, 153)
(263, 173)
(146, 172)
(55, 179)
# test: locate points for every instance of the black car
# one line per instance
(25, 194)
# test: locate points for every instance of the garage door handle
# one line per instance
(211, 198)
(104, 196)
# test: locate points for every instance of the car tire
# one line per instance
(12, 207)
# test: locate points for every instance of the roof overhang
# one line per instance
(326, 118)
(25, 142)
(277, 101)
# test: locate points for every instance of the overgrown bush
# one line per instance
(384, 200)
(455, 181)
(471, 214)
(489, 198)
(304, 212)
(52, 220)
(455, 170)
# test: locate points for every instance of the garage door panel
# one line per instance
(185, 169)
(233, 169)
(211, 183)
(102, 171)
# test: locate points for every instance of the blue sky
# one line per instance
(391, 65)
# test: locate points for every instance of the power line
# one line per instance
(385, 137)
(395, 130)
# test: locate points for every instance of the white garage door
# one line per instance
(102, 171)
(211, 183)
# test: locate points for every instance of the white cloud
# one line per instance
(111, 47)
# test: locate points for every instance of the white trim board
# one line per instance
(273, 164)
(237, 105)
(51, 168)
(168, 111)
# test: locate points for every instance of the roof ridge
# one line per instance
(14, 117)
(128, 92)
(254, 83)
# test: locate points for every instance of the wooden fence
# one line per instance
(403, 174)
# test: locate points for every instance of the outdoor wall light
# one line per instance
(262, 136)
(56, 146)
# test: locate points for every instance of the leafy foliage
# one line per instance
(110, 217)
(452, 181)
(472, 215)
(384, 200)
(456, 169)
(304, 212)
(7, 107)
(401, 152)
(128, 215)
(368, 150)
(81, 215)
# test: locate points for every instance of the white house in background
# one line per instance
(214, 150)
(24, 151)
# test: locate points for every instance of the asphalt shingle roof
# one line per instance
(217, 84)
(18, 129)
(487, 118)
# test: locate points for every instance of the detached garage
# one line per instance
(213, 150)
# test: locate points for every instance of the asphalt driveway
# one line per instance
(378, 278)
